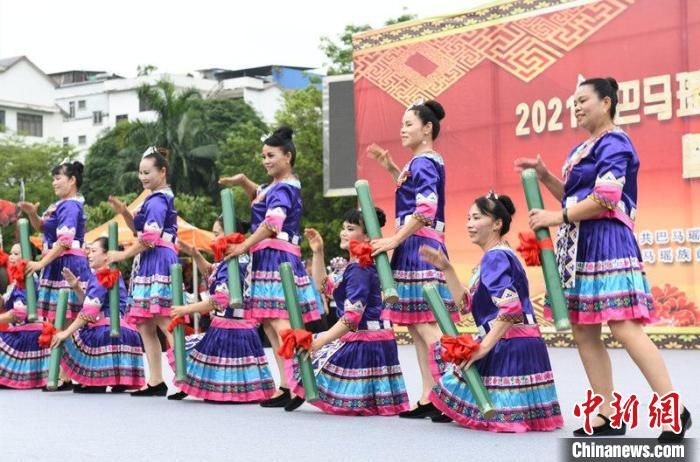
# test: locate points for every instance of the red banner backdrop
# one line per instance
(505, 74)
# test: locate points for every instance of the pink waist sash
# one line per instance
(277, 244)
(368, 335)
(104, 321)
(522, 331)
(228, 323)
(430, 233)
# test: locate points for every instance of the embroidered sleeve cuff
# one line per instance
(423, 219)
(350, 325)
(19, 314)
(274, 219)
(464, 304)
(511, 308)
(271, 227)
(427, 208)
(606, 197)
(149, 238)
(65, 240)
(327, 287)
(91, 310)
(219, 301)
(510, 317)
(86, 317)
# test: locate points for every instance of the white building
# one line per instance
(76, 106)
(97, 101)
(28, 102)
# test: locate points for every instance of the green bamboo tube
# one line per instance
(235, 294)
(57, 352)
(552, 282)
(179, 331)
(447, 326)
(295, 320)
(374, 231)
(29, 283)
(114, 321)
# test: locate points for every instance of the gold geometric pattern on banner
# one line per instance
(525, 48)
(393, 69)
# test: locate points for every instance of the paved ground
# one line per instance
(37, 426)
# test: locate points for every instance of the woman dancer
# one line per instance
(24, 362)
(512, 357)
(150, 294)
(275, 218)
(92, 357)
(599, 260)
(228, 364)
(356, 360)
(420, 220)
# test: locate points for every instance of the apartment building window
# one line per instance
(2, 121)
(71, 109)
(66, 140)
(82, 139)
(97, 118)
(144, 106)
(123, 117)
(81, 104)
(30, 124)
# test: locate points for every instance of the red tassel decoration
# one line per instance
(529, 249)
(107, 277)
(363, 252)
(459, 348)
(47, 332)
(293, 339)
(175, 322)
(16, 273)
(222, 242)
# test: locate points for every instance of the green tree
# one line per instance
(33, 163)
(111, 165)
(338, 51)
(240, 153)
(302, 110)
(192, 128)
(101, 212)
(196, 210)
(191, 157)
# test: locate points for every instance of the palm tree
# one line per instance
(192, 155)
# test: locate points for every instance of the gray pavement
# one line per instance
(36, 426)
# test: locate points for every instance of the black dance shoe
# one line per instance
(294, 403)
(442, 418)
(65, 386)
(179, 396)
(421, 412)
(602, 430)
(671, 437)
(159, 390)
(119, 388)
(84, 389)
(225, 403)
(278, 401)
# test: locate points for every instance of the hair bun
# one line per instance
(78, 166)
(381, 216)
(613, 83)
(284, 132)
(507, 203)
(163, 151)
(436, 107)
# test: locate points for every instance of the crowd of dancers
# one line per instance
(355, 360)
